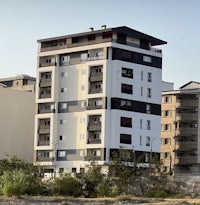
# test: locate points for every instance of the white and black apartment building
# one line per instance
(96, 92)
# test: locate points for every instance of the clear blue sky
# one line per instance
(23, 22)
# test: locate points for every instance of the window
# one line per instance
(140, 140)
(166, 127)
(61, 170)
(127, 72)
(73, 170)
(125, 88)
(141, 75)
(149, 92)
(126, 103)
(166, 155)
(61, 137)
(65, 60)
(62, 121)
(63, 74)
(141, 91)
(125, 139)
(148, 108)
(147, 59)
(166, 141)
(148, 141)
(149, 77)
(61, 153)
(166, 113)
(96, 153)
(140, 123)
(63, 90)
(148, 124)
(82, 153)
(166, 99)
(63, 105)
(126, 122)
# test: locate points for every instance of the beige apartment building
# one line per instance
(17, 108)
(180, 130)
(20, 82)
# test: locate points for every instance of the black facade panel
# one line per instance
(134, 57)
(137, 106)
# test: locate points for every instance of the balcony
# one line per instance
(48, 64)
(187, 102)
(51, 48)
(187, 116)
(45, 159)
(44, 130)
(94, 126)
(186, 131)
(45, 95)
(97, 77)
(186, 146)
(181, 160)
(45, 82)
(93, 141)
(43, 143)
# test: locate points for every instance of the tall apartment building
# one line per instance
(20, 82)
(97, 91)
(180, 130)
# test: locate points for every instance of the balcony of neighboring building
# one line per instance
(94, 154)
(96, 103)
(186, 159)
(95, 87)
(47, 61)
(187, 100)
(189, 113)
(94, 137)
(46, 108)
(186, 127)
(94, 123)
(96, 73)
(45, 79)
(43, 140)
(45, 92)
(44, 156)
(44, 126)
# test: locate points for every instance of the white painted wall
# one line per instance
(17, 111)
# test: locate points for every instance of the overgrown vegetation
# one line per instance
(124, 178)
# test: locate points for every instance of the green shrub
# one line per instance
(104, 189)
(13, 183)
(160, 194)
(65, 185)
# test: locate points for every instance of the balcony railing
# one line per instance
(94, 126)
(185, 145)
(97, 77)
(45, 159)
(44, 130)
(41, 111)
(94, 107)
(94, 90)
(94, 141)
(43, 143)
(186, 131)
(187, 102)
(181, 160)
(187, 117)
(45, 82)
(48, 64)
(45, 95)
(90, 158)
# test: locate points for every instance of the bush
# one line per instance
(160, 194)
(104, 188)
(66, 185)
(13, 183)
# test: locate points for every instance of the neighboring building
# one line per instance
(20, 82)
(96, 92)
(17, 109)
(180, 130)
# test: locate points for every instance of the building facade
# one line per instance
(17, 111)
(20, 82)
(97, 92)
(180, 130)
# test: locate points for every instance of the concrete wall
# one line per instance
(16, 123)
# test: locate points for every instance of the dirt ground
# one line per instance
(100, 201)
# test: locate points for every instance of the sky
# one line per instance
(23, 22)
